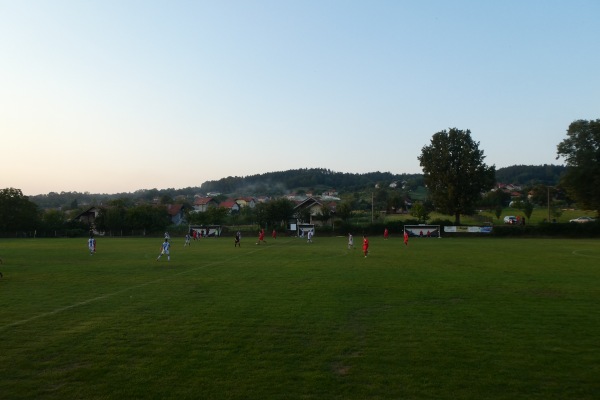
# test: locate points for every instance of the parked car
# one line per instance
(510, 219)
(582, 220)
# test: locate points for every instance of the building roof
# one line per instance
(174, 209)
(203, 200)
(309, 202)
(228, 204)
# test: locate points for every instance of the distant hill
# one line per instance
(318, 180)
(308, 180)
(531, 174)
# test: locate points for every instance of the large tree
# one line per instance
(581, 151)
(454, 172)
(279, 212)
(17, 212)
(148, 217)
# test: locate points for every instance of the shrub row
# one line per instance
(568, 230)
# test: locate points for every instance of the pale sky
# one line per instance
(108, 96)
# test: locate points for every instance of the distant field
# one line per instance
(439, 319)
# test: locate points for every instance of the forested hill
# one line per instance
(316, 180)
(531, 174)
(274, 183)
(310, 179)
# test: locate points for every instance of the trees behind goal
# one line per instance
(423, 230)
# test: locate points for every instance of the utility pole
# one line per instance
(372, 206)
(548, 188)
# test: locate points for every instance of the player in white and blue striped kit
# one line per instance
(165, 250)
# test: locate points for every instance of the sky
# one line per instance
(111, 96)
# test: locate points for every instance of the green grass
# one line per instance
(439, 319)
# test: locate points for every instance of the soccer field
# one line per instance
(437, 319)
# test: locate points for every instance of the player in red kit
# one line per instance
(261, 236)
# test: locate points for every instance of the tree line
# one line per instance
(315, 179)
(531, 175)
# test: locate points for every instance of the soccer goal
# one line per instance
(303, 229)
(424, 231)
(205, 230)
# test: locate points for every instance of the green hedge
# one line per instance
(570, 230)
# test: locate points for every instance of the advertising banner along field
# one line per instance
(467, 229)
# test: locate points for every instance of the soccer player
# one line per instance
(164, 249)
(91, 245)
(406, 238)
(386, 233)
(310, 236)
(238, 237)
(350, 241)
(365, 247)
(261, 236)
(187, 240)
(274, 234)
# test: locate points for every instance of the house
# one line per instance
(201, 204)
(508, 188)
(88, 216)
(176, 213)
(246, 202)
(515, 195)
(314, 207)
(330, 193)
(231, 205)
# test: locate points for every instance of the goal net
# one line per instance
(425, 231)
(303, 229)
(205, 230)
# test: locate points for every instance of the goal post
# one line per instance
(423, 230)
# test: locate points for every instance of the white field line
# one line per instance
(105, 296)
(580, 254)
